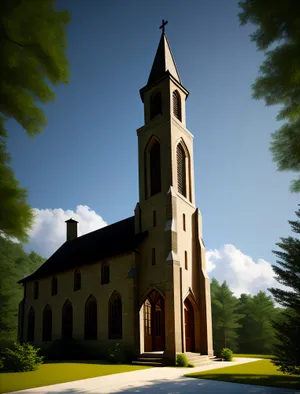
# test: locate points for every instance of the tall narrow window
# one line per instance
(54, 286)
(155, 105)
(153, 257)
(115, 316)
(67, 321)
(47, 324)
(155, 171)
(154, 218)
(77, 280)
(36, 290)
(147, 317)
(176, 105)
(104, 273)
(185, 260)
(90, 319)
(183, 221)
(181, 170)
(30, 325)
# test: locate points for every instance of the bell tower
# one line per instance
(172, 257)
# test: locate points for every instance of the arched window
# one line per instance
(30, 325)
(155, 171)
(47, 324)
(67, 321)
(54, 286)
(36, 290)
(181, 170)
(90, 318)
(155, 105)
(115, 316)
(104, 273)
(77, 280)
(176, 105)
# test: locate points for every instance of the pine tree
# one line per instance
(287, 328)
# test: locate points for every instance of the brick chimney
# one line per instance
(71, 229)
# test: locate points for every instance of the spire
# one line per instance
(163, 61)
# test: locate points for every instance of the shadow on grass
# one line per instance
(77, 362)
(163, 386)
(285, 381)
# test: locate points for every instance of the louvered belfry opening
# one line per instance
(176, 105)
(155, 172)
(155, 105)
(181, 170)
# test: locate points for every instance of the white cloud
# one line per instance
(241, 272)
(49, 230)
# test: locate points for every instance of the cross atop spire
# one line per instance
(164, 23)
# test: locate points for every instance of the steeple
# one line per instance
(163, 61)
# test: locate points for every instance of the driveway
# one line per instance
(158, 381)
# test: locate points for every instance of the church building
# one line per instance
(141, 282)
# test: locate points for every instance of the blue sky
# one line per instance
(87, 154)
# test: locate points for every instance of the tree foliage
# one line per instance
(15, 263)
(33, 56)
(287, 328)
(278, 34)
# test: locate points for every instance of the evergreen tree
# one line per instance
(288, 327)
(225, 316)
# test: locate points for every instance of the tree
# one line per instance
(33, 45)
(288, 327)
(16, 264)
(225, 316)
(278, 35)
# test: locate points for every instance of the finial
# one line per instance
(164, 23)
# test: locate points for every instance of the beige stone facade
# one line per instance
(162, 283)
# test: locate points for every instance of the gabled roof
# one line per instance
(163, 61)
(101, 244)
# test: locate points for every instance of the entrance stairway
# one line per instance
(154, 359)
(197, 360)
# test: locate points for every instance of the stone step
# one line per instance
(155, 359)
(148, 363)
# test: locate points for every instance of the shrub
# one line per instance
(181, 360)
(226, 354)
(116, 355)
(21, 358)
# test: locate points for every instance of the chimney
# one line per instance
(71, 229)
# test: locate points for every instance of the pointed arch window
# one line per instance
(77, 280)
(155, 105)
(155, 170)
(47, 324)
(177, 105)
(36, 290)
(30, 325)
(67, 321)
(115, 316)
(54, 286)
(90, 319)
(181, 170)
(104, 273)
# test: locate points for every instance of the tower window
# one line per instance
(181, 170)
(153, 256)
(155, 105)
(183, 222)
(155, 174)
(176, 105)
(185, 260)
(154, 218)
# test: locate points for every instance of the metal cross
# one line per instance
(163, 26)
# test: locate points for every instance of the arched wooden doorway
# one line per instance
(154, 322)
(189, 323)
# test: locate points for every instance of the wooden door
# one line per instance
(158, 340)
(147, 327)
(189, 326)
(154, 328)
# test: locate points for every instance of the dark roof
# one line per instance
(101, 244)
(163, 61)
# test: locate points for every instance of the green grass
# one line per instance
(53, 373)
(262, 373)
(264, 356)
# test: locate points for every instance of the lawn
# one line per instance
(262, 373)
(264, 356)
(53, 373)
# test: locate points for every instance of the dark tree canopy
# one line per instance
(278, 26)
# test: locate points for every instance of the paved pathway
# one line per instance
(159, 381)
